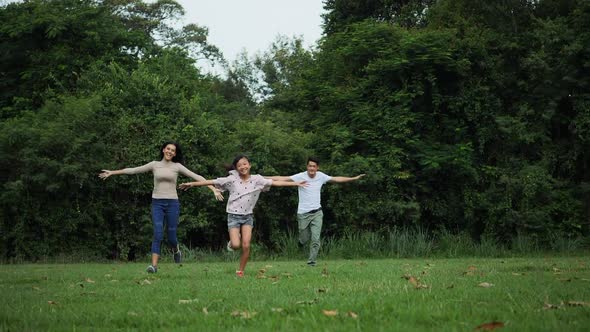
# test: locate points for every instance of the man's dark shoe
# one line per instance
(177, 257)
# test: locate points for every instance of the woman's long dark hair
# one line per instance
(179, 158)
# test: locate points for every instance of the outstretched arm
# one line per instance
(106, 173)
(135, 170)
(279, 178)
(186, 172)
(185, 186)
(279, 183)
(343, 179)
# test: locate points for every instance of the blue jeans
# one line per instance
(164, 211)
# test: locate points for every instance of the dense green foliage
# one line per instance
(467, 116)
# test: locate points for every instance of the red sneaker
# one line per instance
(240, 274)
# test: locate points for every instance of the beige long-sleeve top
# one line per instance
(165, 175)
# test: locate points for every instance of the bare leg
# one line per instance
(234, 238)
(246, 237)
(155, 258)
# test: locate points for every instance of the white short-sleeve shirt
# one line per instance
(309, 197)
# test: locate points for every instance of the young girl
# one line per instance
(244, 190)
(165, 205)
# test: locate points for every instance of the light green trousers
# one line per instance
(310, 227)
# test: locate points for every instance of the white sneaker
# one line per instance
(229, 248)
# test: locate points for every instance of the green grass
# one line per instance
(290, 296)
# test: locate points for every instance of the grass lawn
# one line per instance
(522, 294)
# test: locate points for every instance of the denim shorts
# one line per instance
(238, 220)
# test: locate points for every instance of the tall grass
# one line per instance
(389, 243)
(411, 243)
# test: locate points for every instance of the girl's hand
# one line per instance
(185, 186)
(218, 195)
(359, 176)
(105, 174)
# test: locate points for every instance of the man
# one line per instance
(309, 209)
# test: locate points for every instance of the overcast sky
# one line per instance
(252, 25)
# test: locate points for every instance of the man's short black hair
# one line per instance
(314, 159)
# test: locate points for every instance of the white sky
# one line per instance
(252, 25)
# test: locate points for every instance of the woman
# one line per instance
(165, 205)
(244, 190)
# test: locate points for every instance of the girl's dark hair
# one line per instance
(179, 158)
(237, 159)
(314, 159)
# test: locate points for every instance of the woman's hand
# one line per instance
(105, 174)
(185, 186)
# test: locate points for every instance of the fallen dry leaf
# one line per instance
(352, 314)
(88, 280)
(36, 288)
(489, 326)
(243, 314)
(186, 301)
(548, 306)
(486, 285)
(577, 303)
(330, 313)
(517, 274)
(411, 279)
(52, 302)
(415, 282)
(205, 311)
